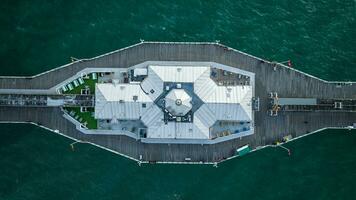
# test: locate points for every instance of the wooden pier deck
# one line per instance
(269, 77)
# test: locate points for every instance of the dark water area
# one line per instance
(38, 35)
(38, 164)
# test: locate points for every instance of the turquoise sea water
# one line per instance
(38, 35)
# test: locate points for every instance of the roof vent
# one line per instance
(179, 69)
(121, 101)
(135, 98)
(122, 87)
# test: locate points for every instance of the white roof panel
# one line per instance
(123, 111)
(121, 101)
(152, 116)
(183, 74)
(177, 130)
(162, 130)
(152, 85)
(125, 92)
(225, 102)
(190, 131)
(204, 87)
(140, 72)
(227, 111)
(228, 94)
(204, 118)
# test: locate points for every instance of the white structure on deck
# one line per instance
(120, 101)
(137, 101)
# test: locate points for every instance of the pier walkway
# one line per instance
(269, 77)
(34, 100)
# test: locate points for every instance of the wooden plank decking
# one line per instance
(285, 81)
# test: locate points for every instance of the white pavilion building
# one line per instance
(143, 101)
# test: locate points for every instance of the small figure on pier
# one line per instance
(289, 63)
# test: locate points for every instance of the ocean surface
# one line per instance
(38, 35)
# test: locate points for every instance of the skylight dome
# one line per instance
(178, 102)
